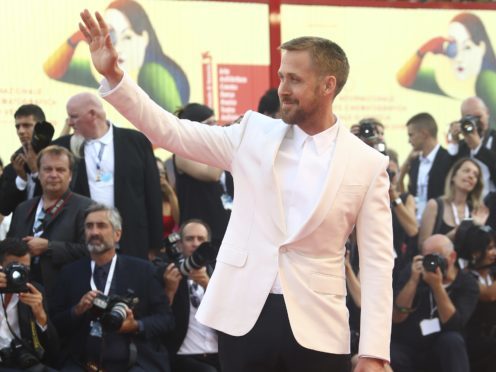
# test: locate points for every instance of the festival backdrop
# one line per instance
(386, 80)
(218, 53)
(178, 51)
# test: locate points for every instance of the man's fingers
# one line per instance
(102, 24)
(85, 32)
(90, 24)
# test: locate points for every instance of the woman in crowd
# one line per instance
(199, 191)
(405, 226)
(140, 55)
(461, 200)
(170, 205)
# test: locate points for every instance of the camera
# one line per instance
(470, 123)
(111, 310)
(202, 256)
(42, 135)
(367, 129)
(432, 261)
(367, 132)
(17, 278)
(17, 356)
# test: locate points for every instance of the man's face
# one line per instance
(299, 87)
(23, 260)
(415, 137)
(54, 174)
(193, 235)
(99, 233)
(81, 119)
(24, 127)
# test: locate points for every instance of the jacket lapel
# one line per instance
(332, 183)
(270, 183)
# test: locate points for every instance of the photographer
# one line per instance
(477, 140)
(433, 302)
(477, 245)
(27, 338)
(370, 131)
(193, 346)
(110, 310)
(20, 179)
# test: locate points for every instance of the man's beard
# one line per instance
(98, 248)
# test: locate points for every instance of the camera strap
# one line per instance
(109, 276)
(36, 341)
(50, 213)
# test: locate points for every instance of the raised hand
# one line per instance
(103, 53)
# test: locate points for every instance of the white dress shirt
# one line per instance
(5, 334)
(100, 164)
(423, 180)
(301, 168)
(199, 339)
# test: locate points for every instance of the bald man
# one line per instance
(479, 144)
(117, 168)
(433, 301)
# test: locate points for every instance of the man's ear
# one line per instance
(117, 235)
(330, 85)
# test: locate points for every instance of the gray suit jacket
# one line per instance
(65, 234)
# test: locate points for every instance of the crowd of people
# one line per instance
(107, 251)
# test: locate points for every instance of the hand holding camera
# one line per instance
(85, 303)
(34, 299)
(200, 276)
(471, 129)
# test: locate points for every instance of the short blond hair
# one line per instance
(329, 58)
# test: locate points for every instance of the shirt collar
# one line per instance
(107, 138)
(430, 158)
(322, 140)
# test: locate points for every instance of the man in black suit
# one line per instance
(118, 169)
(471, 137)
(91, 342)
(52, 224)
(193, 346)
(19, 180)
(427, 170)
(23, 316)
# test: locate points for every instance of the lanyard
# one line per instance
(98, 161)
(109, 276)
(455, 213)
(42, 215)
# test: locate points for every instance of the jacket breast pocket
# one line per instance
(232, 256)
(328, 284)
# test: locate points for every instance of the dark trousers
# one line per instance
(447, 354)
(196, 363)
(271, 347)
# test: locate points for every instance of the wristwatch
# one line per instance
(397, 202)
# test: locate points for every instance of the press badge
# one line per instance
(96, 328)
(106, 176)
(430, 326)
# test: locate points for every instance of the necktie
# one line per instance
(38, 225)
(100, 277)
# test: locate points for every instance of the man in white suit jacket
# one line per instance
(300, 190)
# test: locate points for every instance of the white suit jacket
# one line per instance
(256, 246)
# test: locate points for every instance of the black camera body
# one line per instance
(367, 130)
(202, 256)
(111, 310)
(470, 123)
(42, 135)
(432, 261)
(17, 278)
(17, 356)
